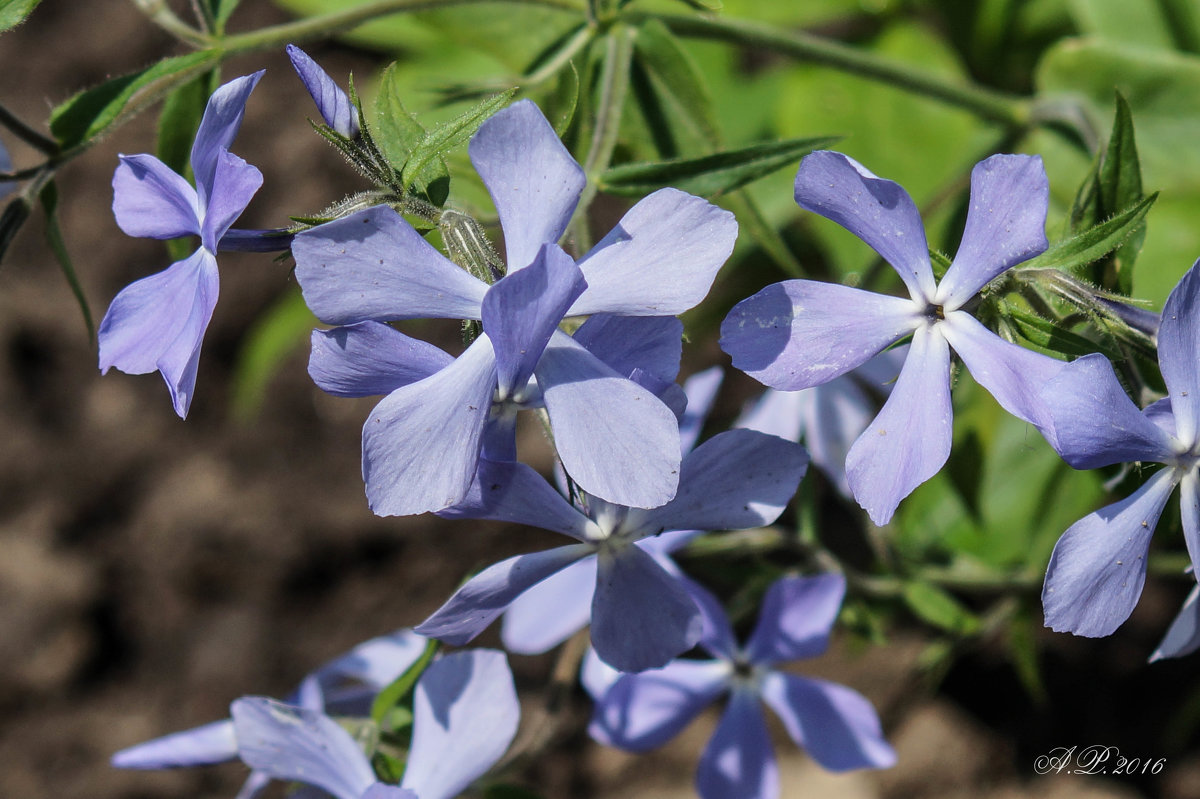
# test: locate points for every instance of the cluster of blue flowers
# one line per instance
(633, 486)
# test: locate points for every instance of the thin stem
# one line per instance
(161, 15)
(985, 103)
(26, 133)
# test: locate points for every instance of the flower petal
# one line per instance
(438, 420)
(370, 358)
(836, 725)
(200, 746)
(218, 128)
(551, 611)
(660, 259)
(150, 200)
(1183, 636)
(374, 265)
(1006, 224)
(465, 714)
(1093, 420)
(652, 344)
(1096, 573)
(522, 311)
(700, 390)
(234, 184)
(1179, 353)
(292, 743)
(1189, 511)
(533, 180)
(642, 711)
(801, 333)
(734, 480)
(375, 662)
(739, 761)
(797, 616)
(718, 637)
(878, 211)
(158, 324)
(909, 440)
(615, 439)
(486, 595)
(1013, 375)
(641, 615)
(333, 104)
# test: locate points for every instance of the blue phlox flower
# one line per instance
(332, 103)
(801, 333)
(1183, 636)
(465, 714)
(836, 725)
(641, 615)
(345, 685)
(158, 322)
(1098, 567)
(614, 437)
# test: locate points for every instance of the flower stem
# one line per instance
(26, 133)
(161, 15)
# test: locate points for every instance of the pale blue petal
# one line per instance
(201, 746)
(796, 619)
(801, 333)
(149, 200)
(738, 762)
(596, 676)
(909, 440)
(374, 265)
(878, 211)
(218, 128)
(778, 413)
(639, 712)
(533, 180)
(652, 344)
(332, 103)
(718, 637)
(376, 662)
(382, 791)
(1189, 511)
(551, 611)
(369, 359)
(1183, 636)
(1098, 567)
(700, 390)
(660, 259)
(836, 416)
(234, 184)
(512, 492)
(1006, 224)
(1179, 353)
(836, 725)
(465, 714)
(256, 783)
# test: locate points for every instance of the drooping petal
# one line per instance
(878, 211)
(551, 611)
(376, 662)
(1179, 353)
(1183, 636)
(369, 359)
(909, 440)
(801, 333)
(158, 324)
(234, 184)
(512, 492)
(1013, 375)
(734, 480)
(1094, 422)
(465, 715)
(522, 311)
(836, 725)
(639, 712)
(652, 344)
(533, 180)
(374, 265)
(1006, 224)
(292, 743)
(739, 761)
(718, 637)
(1189, 511)
(421, 443)
(486, 595)
(218, 128)
(642, 617)
(151, 201)
(333, 104)
(660, 259)
(796, 618)
(700, 390)
(201, 746)
(615, 439)
(1096, 573)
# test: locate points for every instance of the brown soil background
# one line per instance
(152, 570)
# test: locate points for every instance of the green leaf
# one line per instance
(937, 607)
(1022, 650)
(280, 331)
(222, 10)
(1096, 242)
(58, 246)
(399, 689)
(562, 103)
(711, 174)
(1050, 335)
(1120, 186)
(679, 85)
(445, 137)
(396, 131)
(14, 12)
(92, 112)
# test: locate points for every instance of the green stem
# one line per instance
(26, 133)
(1008, 110)
(161, 15)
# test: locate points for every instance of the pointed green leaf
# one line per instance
(1096, 242)
(58, 246)
(939, 608)
(445, 137)
(1120, 185)
(565, 99)
(679, 85)
(1052, 336)
(14, 12)
(400, 688)
(711, 174)
(90, 113)
(222, 10)
(396, 131)
(1023, 653)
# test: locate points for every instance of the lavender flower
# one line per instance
(614, 438)
(332, 103)
(837, 726)
(465, 714)
(801, 333)
(158, 323)
(1098, 567)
